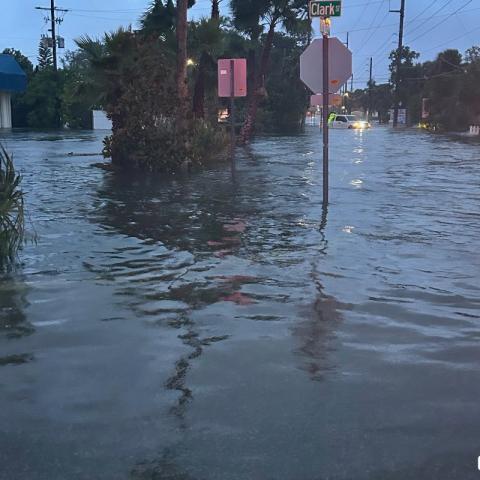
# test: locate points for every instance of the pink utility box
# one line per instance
(232, 77)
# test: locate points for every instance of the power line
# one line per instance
(361, 16)
(395, 24)
(424, 10)
(442, 21)
(452, 40)
(429, 18)
(96, 17)
(365, 39)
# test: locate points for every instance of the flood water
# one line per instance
(206, 327)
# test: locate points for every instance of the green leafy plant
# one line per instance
(12, 220)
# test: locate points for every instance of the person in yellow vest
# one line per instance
(331, 117)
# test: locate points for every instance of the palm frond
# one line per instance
(12, 219)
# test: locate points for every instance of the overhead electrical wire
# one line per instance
(361, 16)
(368, 37)
(442, 21)
(418, 27)
(452, 40)
(424, 10)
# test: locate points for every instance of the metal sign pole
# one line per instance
(232, 105)
(326, 95)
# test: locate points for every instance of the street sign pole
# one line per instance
(325, 118)
(232, 82)
(335, 62)
(232, 107)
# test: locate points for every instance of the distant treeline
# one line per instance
(448, 88)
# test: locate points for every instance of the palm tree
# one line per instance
(205, 43)
(255, 17)
(11, 210)
(159, 19)
(109, 59)
(216, 9)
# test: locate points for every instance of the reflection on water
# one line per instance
(13, 321)
(205, 326)
(163, 469)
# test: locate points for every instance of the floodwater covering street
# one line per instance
(210, 327)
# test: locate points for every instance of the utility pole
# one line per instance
(370, 91)
(53, 21)
(52, 9)
(399, 62)
(54, 36)
(345, 87)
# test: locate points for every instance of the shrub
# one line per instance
(137, 75)
(11, 210)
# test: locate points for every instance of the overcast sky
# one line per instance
(431, 25)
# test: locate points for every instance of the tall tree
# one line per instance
(181, 77)
(284, 108)
(406, 75)
(110, 61)
(215, 10)
(45, 58)
(159, 19)
(205, 42)
(445, 76)
(255, 16)
(470, 90)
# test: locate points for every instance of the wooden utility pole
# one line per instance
(345, 88)
(54, 36)
(399, 62)
(370, 88)
(52, 9)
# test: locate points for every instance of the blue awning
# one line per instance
(12, 77)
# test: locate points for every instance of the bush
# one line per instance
(142, 104)
(11, 210)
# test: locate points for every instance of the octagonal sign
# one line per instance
(339, 61)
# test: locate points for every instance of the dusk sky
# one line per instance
(431, 25)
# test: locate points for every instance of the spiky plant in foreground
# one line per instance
(12, 221)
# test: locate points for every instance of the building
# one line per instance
(12, 79)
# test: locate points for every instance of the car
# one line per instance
(348, 121)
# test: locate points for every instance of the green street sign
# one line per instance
(326, 8)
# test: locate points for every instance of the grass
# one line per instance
(12, 219)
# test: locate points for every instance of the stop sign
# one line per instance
(339, 61)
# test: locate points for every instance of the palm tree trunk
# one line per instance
(215, 9)
(251, 71)
(182, 88)
(248, 128)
